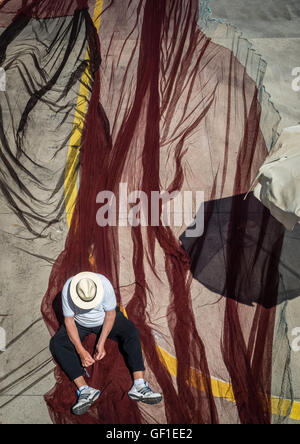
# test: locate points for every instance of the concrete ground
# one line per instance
(26, 371)
(273, 27)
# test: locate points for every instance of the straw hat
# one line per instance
(86, 290)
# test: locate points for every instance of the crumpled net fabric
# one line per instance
(136, 92)
(279, 181)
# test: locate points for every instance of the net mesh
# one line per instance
(135, 92)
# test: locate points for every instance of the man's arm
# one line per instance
(86, 358)
(109, 321)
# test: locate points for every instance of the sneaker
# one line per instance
(86, 398)
(144, 394)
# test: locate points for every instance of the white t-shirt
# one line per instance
(94, 317)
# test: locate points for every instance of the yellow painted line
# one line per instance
(295, 413)
(224, 390)
(97, 13)
(282, 407)
(220, 389)
(71, 173)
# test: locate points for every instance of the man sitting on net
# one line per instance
(89, 306)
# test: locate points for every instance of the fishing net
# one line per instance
(140, 93)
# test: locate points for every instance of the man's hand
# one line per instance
(100, 352)
(86, 359)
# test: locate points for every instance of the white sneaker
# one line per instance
(85, 400)
(144, 394)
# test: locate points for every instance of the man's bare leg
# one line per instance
(80, 382)
(138, 375)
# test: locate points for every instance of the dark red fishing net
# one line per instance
(168, 110)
